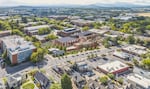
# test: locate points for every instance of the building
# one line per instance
(41, 79)
(16, 80)
(33, 30)
(86, 35)
(5, 33)
(18, 50)
(68, 32)
(78, 80)
(135, 50)
(139, 82)
(115, 67)
(81, 22)
(121, 55)
(56, 52)
(58, 17)
(99, 31)
(82, 67)
(66, 41)
(91, 84)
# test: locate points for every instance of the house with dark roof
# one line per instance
(68, 32)
(42, 80)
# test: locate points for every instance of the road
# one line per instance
(46, 65)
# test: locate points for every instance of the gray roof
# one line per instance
(40, 77)
(70, 30)
(66, 39)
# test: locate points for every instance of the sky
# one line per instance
(61, 2)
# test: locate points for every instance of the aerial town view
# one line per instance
(74, 44)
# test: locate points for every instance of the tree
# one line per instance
(5, 54)
(111, 76)
(24, 19)
(146, 62)
(104, 80)
(55, 86)
(85, 28)
(120, 80)
(40, 53)
(43, 31)
(66, 82)
(130, 39)
(34, 57)
(17, 32)
(51, 37)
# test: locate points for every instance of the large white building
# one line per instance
(18, 50)
(138, 81)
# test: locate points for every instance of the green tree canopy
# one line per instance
(43, 31)
(104, 80)
(55, 86)
(66, 82)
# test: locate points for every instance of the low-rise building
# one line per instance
(81, 22)
(121, 55)
(91, 84)
(115, 67)
(138, 81)
(99, 31)
(68, 32)
(16, 80)
(135, 49)
(5, 33)
(33, 30)
(78, 80)
(66, 41)
(41, 79)
(17, 49)
(56, 52)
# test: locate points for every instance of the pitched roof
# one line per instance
(42, 79)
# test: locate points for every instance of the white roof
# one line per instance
(121, 54)
(140, 80)
(136, 49)
(36, 27)
(99, 31)
(113, 66)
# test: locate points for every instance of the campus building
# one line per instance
(18, 50)
(68, 32)
(33, 30)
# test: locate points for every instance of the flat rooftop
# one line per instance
(113, 66)
(16, 43)
(70, 30)
(136, 49)
(121, 54)
(99, 31)
(36, 27)
(140, 80)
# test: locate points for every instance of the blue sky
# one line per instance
(58, 2)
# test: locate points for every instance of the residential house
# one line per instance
(15, 81)
(41, 79)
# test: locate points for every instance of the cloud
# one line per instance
(54, 2)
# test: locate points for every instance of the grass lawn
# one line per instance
(28, 86)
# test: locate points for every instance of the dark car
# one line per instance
(105, 59)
